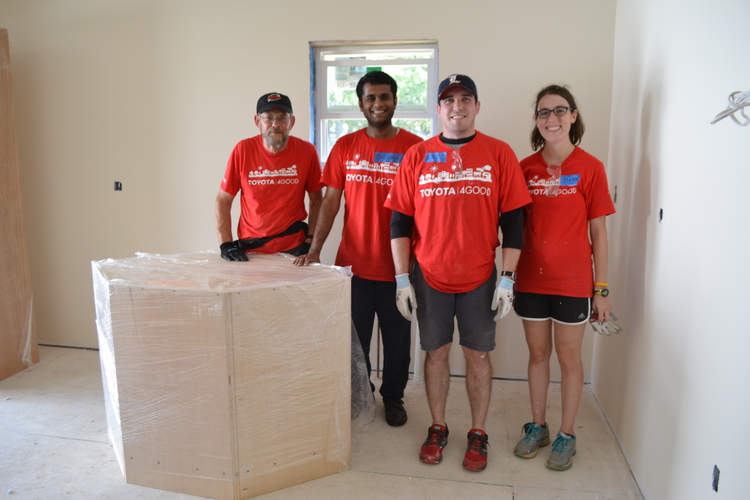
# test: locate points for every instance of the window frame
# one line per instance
(319, 111)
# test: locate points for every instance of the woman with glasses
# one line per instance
(555, 279)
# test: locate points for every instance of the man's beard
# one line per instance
(275, 143)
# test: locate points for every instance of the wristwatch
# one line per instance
(603, 292)
(509, 274)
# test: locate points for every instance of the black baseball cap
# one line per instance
(274, 100)
(457, 80)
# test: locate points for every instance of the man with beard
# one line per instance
(364, 164)
(273, 171)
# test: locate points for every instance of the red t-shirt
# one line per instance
(365, 168)
(273, 189)
(456, 211)
(557, 252)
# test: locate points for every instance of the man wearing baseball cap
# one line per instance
(450, 195)
(272, 171)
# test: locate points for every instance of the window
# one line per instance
(336, 69)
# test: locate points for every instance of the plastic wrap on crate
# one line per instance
(226, 379)
(18, 345)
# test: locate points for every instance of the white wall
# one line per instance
(155, 95)
(676, 384)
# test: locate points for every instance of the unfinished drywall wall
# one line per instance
(155, 95)
(674, 385)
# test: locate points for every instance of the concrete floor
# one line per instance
(53, 444)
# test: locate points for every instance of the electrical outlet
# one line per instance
(715, 484)
(118, 186)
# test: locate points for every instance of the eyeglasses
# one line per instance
(268, 120)
(559, 111)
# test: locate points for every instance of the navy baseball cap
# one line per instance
(456, 80)
(274, 100)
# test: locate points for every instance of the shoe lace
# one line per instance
(560, 443)
(531, 432)
(478, 443)
(435, 437)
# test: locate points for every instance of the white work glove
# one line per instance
(601, 328)
(405, 299)
(503, 298)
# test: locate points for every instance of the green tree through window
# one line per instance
(337, 71)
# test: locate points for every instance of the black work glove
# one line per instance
(231, 251)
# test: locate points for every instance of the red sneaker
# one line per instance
(476, 453)
(432, 449)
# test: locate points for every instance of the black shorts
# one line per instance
(472, 311)
(540, 307)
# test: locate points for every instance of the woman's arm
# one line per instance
(602, 306)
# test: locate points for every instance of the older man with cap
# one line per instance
(273, 171)
(450, 195)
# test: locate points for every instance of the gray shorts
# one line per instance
(472, 310)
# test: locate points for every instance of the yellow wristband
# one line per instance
(605, 285)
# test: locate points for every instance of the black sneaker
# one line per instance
(395, 414)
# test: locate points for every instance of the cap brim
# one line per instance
(440, 96)
(275, 106)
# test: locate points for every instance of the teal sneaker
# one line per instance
(563, 450)
(535, 436)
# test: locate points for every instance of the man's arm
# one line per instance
(510, 259)
(511, 225)
(401, 250)
(315, 201)
(406, 300)
(230, 250)
(321, 225)
(223, 215)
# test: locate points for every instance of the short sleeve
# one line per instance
(335, 171)
(514, 193)
(401, 195)
(231, 181)
(598, 199)
(313, 183)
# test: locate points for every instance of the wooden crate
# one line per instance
(18, 346)
(225, 380)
